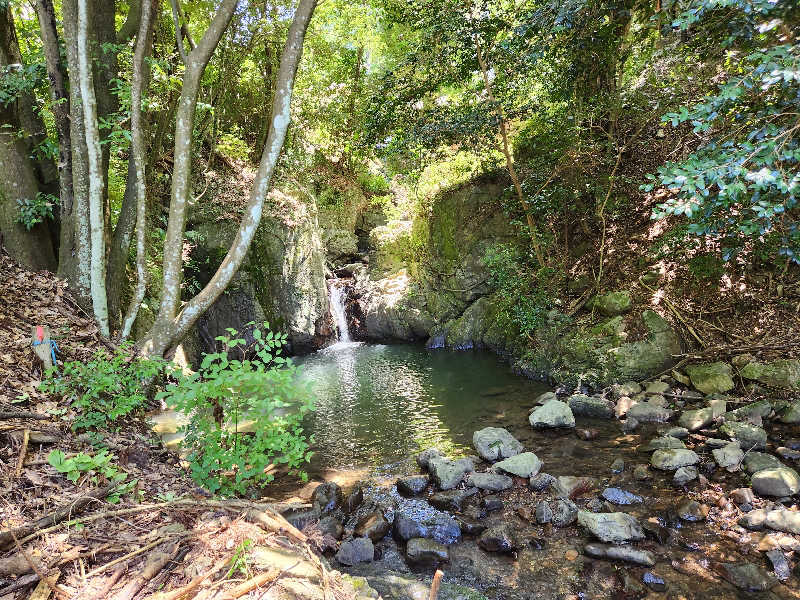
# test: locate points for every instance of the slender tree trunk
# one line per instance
(97, 213)
(137, 149)
(166, 334)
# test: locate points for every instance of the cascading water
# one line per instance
(337, 298)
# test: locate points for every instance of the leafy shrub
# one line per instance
(373, 183)
(260, 387)
(105, 389)
(233, 147)
(35, 211)
(98, 467)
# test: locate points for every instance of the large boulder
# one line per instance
(615, 528)
(439, 526)
(611, 304)
(495, 443)
(711, 378)
(552, 413)
(779, 482)
(779, 373)
(649, 412)
(642, 359)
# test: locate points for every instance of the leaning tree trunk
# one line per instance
(169, 329)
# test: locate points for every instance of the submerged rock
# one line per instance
(625, 553)
(693, 511)
(669, 460)
(373, 526)
(654, 582)
(663, 443)
(440, 527)
(552, 413)
(495, 443)
(587, 406)
(780, 565)
(611, 527)
(526, 465)
(748, 576)
(356, 551)
(423, 550)
(776, 482)
(618, 496)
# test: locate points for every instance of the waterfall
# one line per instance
(337, 299)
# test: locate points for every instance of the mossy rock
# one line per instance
(711, 378)
(779, 373)
(612, 304)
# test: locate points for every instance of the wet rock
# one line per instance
(626, 389)
(424, 457)
(776, 482)
(451, 499)
(669, 460)
(611, 527)
(695, 420)
(495, 443)
(543, 398)
(778, 373)
(594, 505)
(412, 485)
(630, 424)
(677, 432)
(565, 513)
(624, 553)
(619, 496)
(327, 497)
(759, 461)
(729, 456)
(655, 530)
(742, 496)
(649, 412)
(587, 435)
(780, 565)
(541, 482)
(440, 527)
(544, 513)
(663, 443)
(353, 501)
(498, 539)
(373, 526)
(711, 378)
(787, 453)
(552, 413)
(356, 551)
(748, 576)
(470, 526)
(654, 582)
(425, 551)
(787, 521)
(791, 415)
(447, 474)
(490, 481)
(693, 511)
(748, 436)
(754, 520)
(761, 409)
(657, 387)
(526, 464)
(331, 526)
(568, 486)
(641, 473)
(587, 406)
(684, 475)
(491, 503)
(618, 466)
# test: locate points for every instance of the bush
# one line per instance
(105, 389)
(33, 212)
(260, 387)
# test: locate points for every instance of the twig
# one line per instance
(251, 584)
(33, 565)
(151, 569)
(437, 580)
(135, 553)
(22, 414)
(26, 436)
(191, 588)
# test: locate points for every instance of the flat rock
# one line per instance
(677, 432)
(787, 521)
(615, 528)
(780, 566)
(778, 482)
(495, 443)
(440, 527)
(669, 460)
(356, 551)
(759, 461)
(748, 576)
(684, 475)
(657, 387)
(626, 389)
(619, 496)
(695, 420)
(412, 485)
(649, 412)
(492, 482)
(587, 406)
(426, 551)
(552, 413)
(447, 474)
(729, 456)
(624, 553)
(711, 378)
(663, 443)
(526, 465)
(748, 436)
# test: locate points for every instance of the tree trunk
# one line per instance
(168, 333)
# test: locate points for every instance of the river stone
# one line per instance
(630, 388)
(353, 501)
(729, 456)
(541, 482)
(490, 481)
(663, 443)
(748, 576)
(693, 511)
(565, 513)
(677, 432)
(611, 304)
(356, 551)
(625, 553)
(552, 413)
(614, 528)
(424, 457)
(776, 482)
(669, 460)
(618, 496)
(491, 503)
(684, 475)
(649, 412)
(787, 453)
(754, 520)
(373, 526)
(623, 405)
(630, 424)
(497, 539)
(544, 514)
(586, 406)
(762, 409)
(495, 443)
(618, 466)
(440, 527)
(526, 465)
(711, 378)
(425, 551)
(780, 565)
(567, 485)
(327, 497)
(748, 436)
(543, 398)
(779, 373)
(470, 526)
(695, 420)
(412, 485)
(758, 461)
(331, 526)
(783, 520)
(791, 415)
(451, 500)
(657, 387)
(714, 443)
(446, 473)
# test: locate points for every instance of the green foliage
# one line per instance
(35, 211)
(260, 387)
(98, 465)
(743, 182)
(104, 389)
(239, 561)
(708, 267)
(373, 183)
(233, 147)
(17, 80)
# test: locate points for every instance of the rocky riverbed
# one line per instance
(643, 489)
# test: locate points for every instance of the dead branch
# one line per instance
(251, 584)
(26, 436)
(110, 582)
(437, 580)
(22, 414)
(155, 563)
(135, 553)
